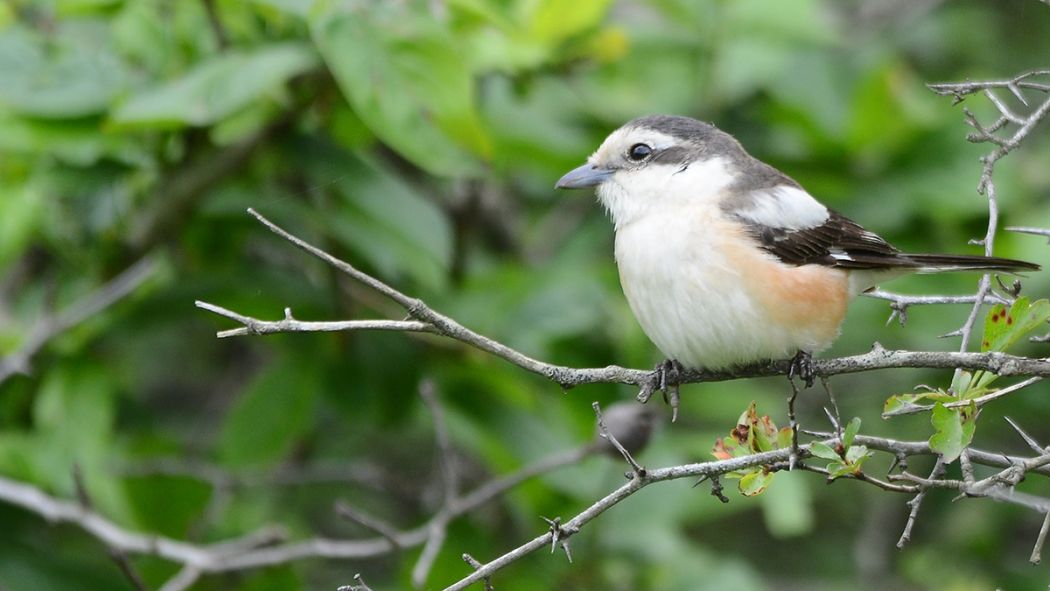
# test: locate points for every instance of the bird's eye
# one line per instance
(639, 152)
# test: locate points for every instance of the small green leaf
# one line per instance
(1003, 327)
(67, 74)
(765, 434)
(839, 469)
(900, 404)
(857, 454)
(954, 429)
(555, 20)
(823, 450)
(850, 432)
(754, 483)
(784, 438)
(216, 88)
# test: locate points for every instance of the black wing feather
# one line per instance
(840, 242)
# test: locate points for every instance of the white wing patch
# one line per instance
(784, 207)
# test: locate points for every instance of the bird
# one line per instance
(726, 261)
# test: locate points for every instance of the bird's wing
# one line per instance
(837, 242)
(790, 224)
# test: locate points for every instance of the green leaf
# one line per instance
(754, 483)
(823, 450)
(850, 432)
(839, 469)
(216, 87)
(75, 142)
(555, 20)
(1003, 327)
(954, 429)
(63, 76)
(271, 414)
(389, 224)
(900, 404)
(183, 499)
(408, 80)
(765, 432)
(857, 455)
(21, 211)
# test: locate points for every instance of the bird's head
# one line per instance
(656, 161)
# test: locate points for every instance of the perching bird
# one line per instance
(724, 259)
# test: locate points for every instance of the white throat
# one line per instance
(630, 195)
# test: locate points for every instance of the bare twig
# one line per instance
(359, 585)
(639, 472)
(344, 510)
(473, 562)
(51, 326)
(438, 527)
(446, 457)
(184, 579)
(899, 303)
(117, 554)
(916, 503)
(862, 477)
(1044, 232)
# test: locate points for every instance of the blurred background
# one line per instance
(421, 141)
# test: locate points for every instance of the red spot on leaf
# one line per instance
(986, 344)
(740, 433)
(1009, 320)
(995, 317)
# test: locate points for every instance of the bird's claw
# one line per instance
(670, 376)
(802, 368)
(666, 378)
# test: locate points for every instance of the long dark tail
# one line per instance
(935, 263)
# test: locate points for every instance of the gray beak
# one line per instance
(583, 177)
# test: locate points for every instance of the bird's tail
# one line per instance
(935, 263)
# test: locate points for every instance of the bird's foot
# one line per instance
(667, 377)
(802, 367)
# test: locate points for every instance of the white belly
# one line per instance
(708, 303)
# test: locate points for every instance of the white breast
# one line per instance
(704, 304)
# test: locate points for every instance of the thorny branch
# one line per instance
(421, 318)
(269, 547)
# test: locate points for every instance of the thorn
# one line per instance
(555, 530)
(1032, 443)
(1017, 93)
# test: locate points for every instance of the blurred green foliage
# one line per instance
(420, 141)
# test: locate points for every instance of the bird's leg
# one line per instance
(802, 367)
(667, 376)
